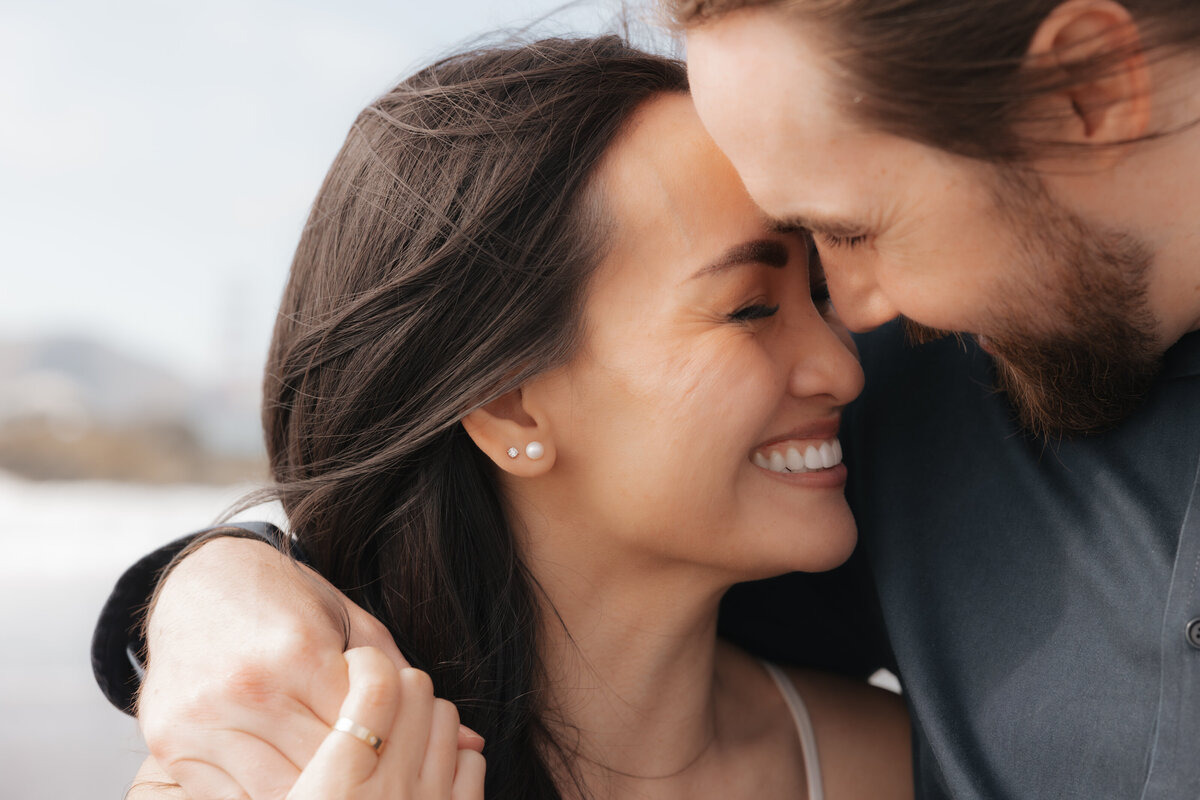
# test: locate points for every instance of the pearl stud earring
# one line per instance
(513, 452)
(535, 450)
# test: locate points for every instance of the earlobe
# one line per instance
(512, 435)
(1094, 48)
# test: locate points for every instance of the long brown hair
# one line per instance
(443, 264)
(953, 74)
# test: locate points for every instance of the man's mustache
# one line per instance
(915, 333)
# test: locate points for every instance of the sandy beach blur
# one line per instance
(63, 546)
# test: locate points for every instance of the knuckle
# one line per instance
(372, 629)
(293, 645)
(416, 682)
(377, 687)
(251, 684)
(446, 711)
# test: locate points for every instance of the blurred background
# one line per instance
(157, 160)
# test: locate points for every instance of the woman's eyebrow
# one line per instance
(768, 252)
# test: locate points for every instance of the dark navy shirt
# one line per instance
(1042, 599)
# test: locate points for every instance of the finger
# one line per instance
(469, 739)
(370, 705)
(344, 762)
(441, 753)
(409, 735)
(469, 775)
(151, 783)
(366, 630)
(207, 779)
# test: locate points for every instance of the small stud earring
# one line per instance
(535, 450)
(513, 452)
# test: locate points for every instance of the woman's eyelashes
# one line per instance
(820, 300)
(753, 312)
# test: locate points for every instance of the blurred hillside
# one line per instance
(75, 409)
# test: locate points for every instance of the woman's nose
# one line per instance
(825, 362)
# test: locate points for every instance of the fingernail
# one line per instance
(469, 739)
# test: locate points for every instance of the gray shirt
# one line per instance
(1042, 599)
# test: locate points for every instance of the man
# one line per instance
(1023, 172)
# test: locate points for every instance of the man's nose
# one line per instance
(859, 299)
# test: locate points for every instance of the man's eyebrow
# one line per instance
(827, 225)
(768, 252)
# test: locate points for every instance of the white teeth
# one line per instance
(826, 452)
(812, 459)
(823, 456)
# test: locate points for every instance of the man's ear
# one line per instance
(514, 436)
(1112, 106)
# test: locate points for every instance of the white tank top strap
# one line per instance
(808, 737)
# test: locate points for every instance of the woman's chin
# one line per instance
(815, 544)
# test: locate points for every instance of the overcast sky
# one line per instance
(157, 158)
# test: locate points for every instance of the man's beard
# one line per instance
(1079, 355)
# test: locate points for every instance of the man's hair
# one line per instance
(952, 74)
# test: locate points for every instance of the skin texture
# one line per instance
(269, 691)
(420, 761)
(951, 243)
(644, 508)
(649, 430)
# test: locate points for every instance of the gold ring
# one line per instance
(363, 734)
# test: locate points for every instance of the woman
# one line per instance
(543, 386)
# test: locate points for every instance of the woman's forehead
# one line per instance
(670, 193)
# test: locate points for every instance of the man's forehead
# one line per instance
(763, 52)
(762, 93)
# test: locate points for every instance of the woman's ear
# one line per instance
(1110, 106)
(512, 435)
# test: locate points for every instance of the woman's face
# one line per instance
(710, 365)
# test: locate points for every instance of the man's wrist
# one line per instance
(118, 642)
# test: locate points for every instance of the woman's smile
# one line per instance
(799, 456)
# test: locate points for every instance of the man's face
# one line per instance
(950, 243)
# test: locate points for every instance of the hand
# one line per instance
(151, 783)
(420, 759)
(246, 671)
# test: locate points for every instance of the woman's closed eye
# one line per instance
(753, 312)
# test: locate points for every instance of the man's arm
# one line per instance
(118, 641)
(420, 760)
(245, 673)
